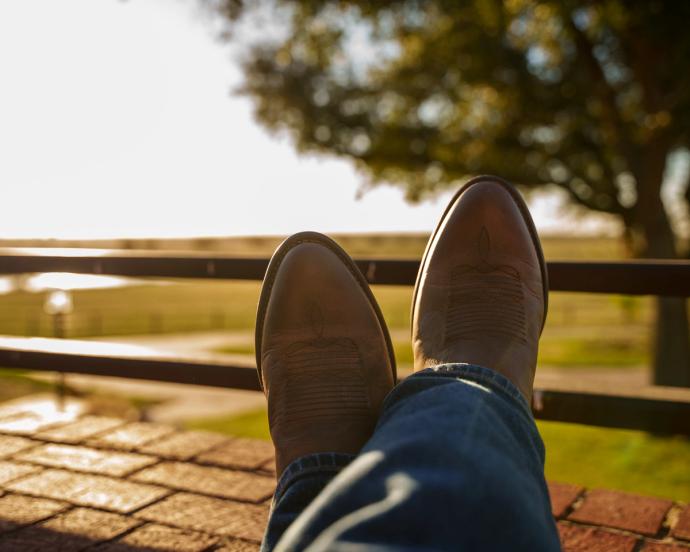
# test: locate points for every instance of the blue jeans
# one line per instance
(455, 463)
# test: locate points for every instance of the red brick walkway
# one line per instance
(107, 485)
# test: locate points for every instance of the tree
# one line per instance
(592, 97)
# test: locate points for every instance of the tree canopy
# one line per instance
(592, 97)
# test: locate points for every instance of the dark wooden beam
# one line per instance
(657, 410)
(669, 278)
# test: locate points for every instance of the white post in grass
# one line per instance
(58, 305)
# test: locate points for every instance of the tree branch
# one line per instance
(605, 91)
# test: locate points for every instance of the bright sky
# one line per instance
(116, 120)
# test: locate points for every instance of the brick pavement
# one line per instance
(103, 484)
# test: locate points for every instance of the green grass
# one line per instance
(250, 424)
(593, 352)
(627, 460)
(630, 461)
(16, 383)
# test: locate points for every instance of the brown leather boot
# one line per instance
(323, 352)
(482, 290)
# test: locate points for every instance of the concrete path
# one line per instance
(183, 402)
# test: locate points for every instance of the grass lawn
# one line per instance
(16, 383)
(594, 457)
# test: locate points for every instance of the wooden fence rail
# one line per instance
(658, 409)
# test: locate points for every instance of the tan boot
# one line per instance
(323, 352)
(482, 290)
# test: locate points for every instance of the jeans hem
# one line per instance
(318, 463)
(479, 374)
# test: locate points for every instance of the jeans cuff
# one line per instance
(484, 376)
(318, 463)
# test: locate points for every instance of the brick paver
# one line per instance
(158, 537)
(87, 459)
(25, 423)
(236, 545)
(248, 454)
(224, 483)
(75, 530)
(16, 510)
(131, 436)
(650, 546)
(209, 515)
(576, 538)
(184, 444)
(562, 496)
(81, 429)
(11, 444)
(93, 524)
(634, 513)
(682, 528)
(9, 471)
(89, 490)
(103, 484)
(269, 466)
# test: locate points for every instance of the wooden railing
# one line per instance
(656, 409)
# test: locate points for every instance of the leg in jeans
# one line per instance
(456, 461)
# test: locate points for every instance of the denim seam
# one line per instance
(318, 463)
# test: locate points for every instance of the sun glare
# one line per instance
(68, 281)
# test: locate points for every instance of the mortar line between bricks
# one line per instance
(28, 494)
(638, 545)
(74, 505)
(144, 521)
(83, 439)
(663, 529)
(671, 519)
(170, 524)
(171, 493)
(235, 468)
(174, 490)
(575, 504)
(229, 439)
(35, 444)
(77, 471)
(19, 527)
(100, 446)
(70, 507)
(155, 440)
(226, 538)
(253, 471)
(606, 528)
(24, 476)
(204, 493)
(140, 523)
(126, 476)
(102, 432)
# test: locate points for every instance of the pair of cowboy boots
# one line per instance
(324, 355)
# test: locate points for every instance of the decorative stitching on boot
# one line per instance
(485, 299)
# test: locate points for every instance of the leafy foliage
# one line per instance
(589, 96)
(593, 97)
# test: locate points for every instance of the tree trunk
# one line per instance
(671, 350)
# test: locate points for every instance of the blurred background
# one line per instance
(219, 126)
